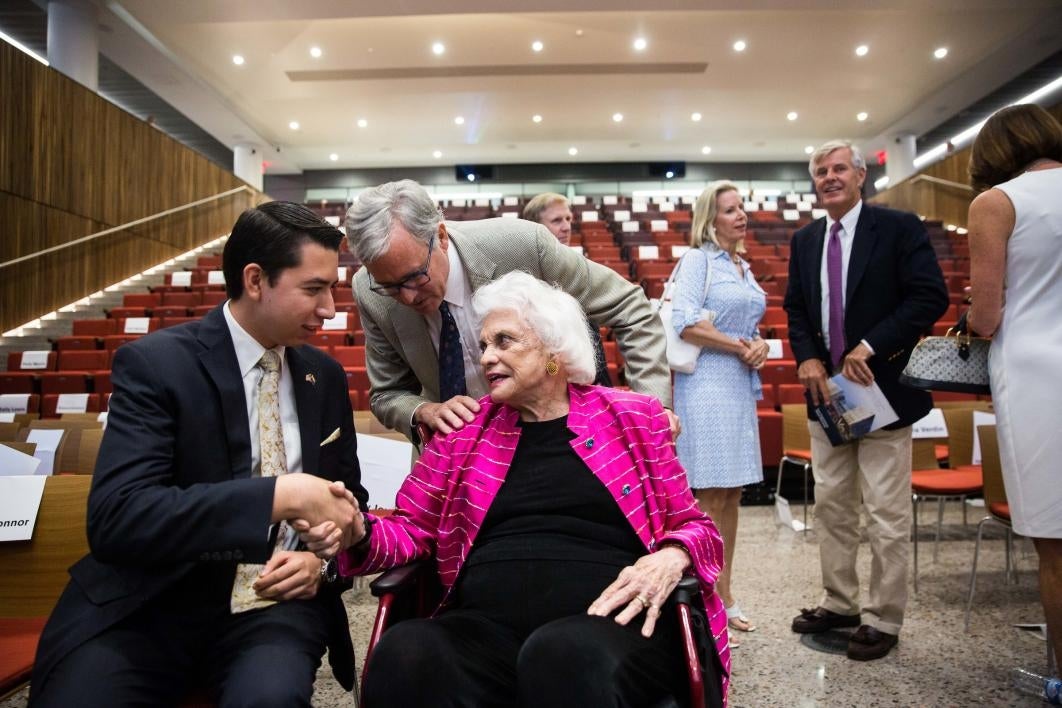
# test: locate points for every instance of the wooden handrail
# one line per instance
(137, 222)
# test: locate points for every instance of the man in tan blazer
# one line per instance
(416, 265)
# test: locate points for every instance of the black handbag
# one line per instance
(955, 362)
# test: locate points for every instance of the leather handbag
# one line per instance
(681, 355)
(955, 362)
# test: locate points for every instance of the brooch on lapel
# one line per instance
(312, 379)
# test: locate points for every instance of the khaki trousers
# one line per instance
(876, 470)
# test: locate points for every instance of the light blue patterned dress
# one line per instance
(720, 442)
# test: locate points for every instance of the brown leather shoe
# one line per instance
(867, 644)
(820, 619)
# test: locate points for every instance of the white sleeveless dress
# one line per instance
(1026, 356)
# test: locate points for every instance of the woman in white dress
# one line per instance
(1015, 237)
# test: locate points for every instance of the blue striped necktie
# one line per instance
(451, 360)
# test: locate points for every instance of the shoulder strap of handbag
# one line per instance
(669, 284)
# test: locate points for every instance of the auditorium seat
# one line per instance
(170, 311)
(77, 342)
(95, 328)
(770, 427)
(779, 371)
(349, 356)
(141, 299)
(127, 311)
(50, 401)
(181, 299)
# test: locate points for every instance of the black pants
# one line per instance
(265, 657)
(521, 636)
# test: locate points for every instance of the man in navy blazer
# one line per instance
(178, 501)
(887, 290)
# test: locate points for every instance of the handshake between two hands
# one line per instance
(324, 514)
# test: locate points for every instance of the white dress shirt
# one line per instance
(248, 353)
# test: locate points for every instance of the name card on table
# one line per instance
(630, 226)
(102, 418)
(667, 206)
(932, 426)
(510, 215)
(677, 251)
(136, 325)
(790, 214)
(621, 215)
(751, 206)
(216, 277)
(658, 225)
(577, 249)
(385, 463)
(181, 278)
(792, 198)
(341, 274)
(14, 403)
(609, 200)
(775, 350)
(589, 216)
(803, 206)
(980, 418)
(818, 213)
(34, 360)
(482, 202)
(457, 202)
(20, 500)
(15, 463)
(7, 417)
(72, 403)
(809, 198)
(337, 323)
(648, 252)
(48, 441)
(579, 200)
(688, 199)
(639, 207)
(332, 220)
(510, 201)
(769, 206)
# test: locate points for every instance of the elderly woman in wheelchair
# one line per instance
(560, 521)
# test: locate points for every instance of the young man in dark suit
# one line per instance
(218, 431)
(864, 284)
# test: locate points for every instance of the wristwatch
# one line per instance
(329, 571)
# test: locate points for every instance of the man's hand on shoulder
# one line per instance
(855, 367)
(447, 416)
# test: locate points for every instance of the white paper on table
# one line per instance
(667, 206)
(769, 206)
(34, 360)
(790, 214)
(510, 201)
(809, 198)
(792, 198)
(639, 207)
(677, 251)
(102, 417)
(869, 398)
(20, 500)
(932, 426)
(752, 206)
(482, 202)
(457, 202)
(577, 249)
(589, 216)
(818, 213)
(609, 200)
(14, 463)
(579, 199)
(341, 274)
(980, 418)
(648, 252)
(630, 226)
(775, 350)
(803, 206)
(339, 322)
(216, 277)
(181, 278)
(621, 215)
(658, 225)
(510, 215)
(47, 441)
(72, 403)
(7, 417)
(137, 325)
(384, 465)
(14, 403)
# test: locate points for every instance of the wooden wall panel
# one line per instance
(72, 164)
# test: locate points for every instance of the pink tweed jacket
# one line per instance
(622, 436)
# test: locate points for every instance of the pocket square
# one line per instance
(331, 438)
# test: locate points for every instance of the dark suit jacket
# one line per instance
(895, 292)
(173, 491)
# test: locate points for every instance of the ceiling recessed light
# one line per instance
(471, 177)
(617, 117)
(316, 52)
(237, 59)
(362, 123)
(669, 174)
(294, 125)
(861, 116)
(695, 117)
(459, 120)
(536, 46)
(940, 52)
(573, 151)
(536, 118)
(791, 115)
(438, 48)
(740, 45)
(437, 154)
(808, 149)
(333, 157)
(861, 50)
(706, 150)
(579, 33)
(640, 44)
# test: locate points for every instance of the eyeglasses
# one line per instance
(412, 281)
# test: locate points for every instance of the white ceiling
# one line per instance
(800, 57)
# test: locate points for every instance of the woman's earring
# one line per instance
(552, 368)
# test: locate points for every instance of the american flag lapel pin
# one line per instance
(312, 379)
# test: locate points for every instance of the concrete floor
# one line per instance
(777, 572)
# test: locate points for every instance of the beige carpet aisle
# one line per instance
(776, 573)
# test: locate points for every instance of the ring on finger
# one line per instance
(642, 599)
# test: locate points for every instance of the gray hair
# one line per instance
(705, 211)
(371, 217)
(826, 148)
(552, 314)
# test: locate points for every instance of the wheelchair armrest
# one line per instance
(687, 589)
(400, 579)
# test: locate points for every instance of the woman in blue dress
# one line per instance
(717, 304)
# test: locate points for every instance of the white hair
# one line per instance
(552, 314)
(826, 148)
(371, 217)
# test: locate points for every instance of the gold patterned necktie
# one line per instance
(273, 462)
